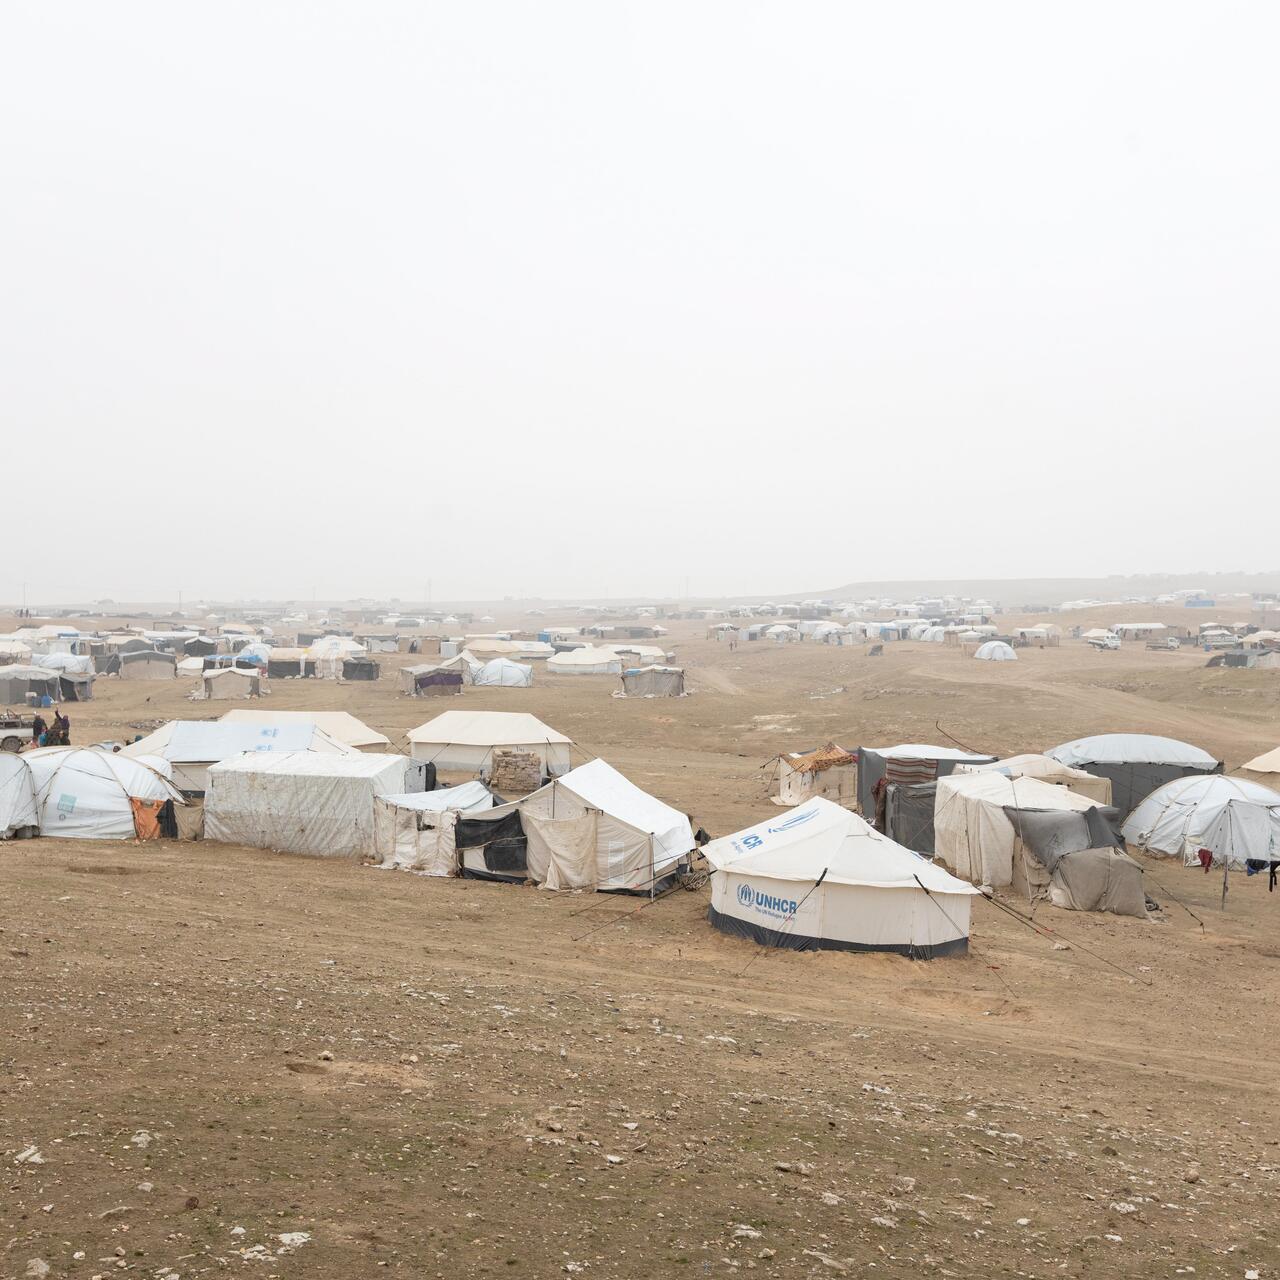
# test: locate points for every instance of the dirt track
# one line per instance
(432, 1075)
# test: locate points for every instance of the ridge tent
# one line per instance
(590, 829)
(426, 680)
(19, 813)
(360, 667)
(303, 801)
(75, 674)
(820, 878)
(415, 832)
(464, 741)
(828, 771)
(653, 682)
(285, 663)
(995, 651)
(1136, 763)
(586, 661)
(144, 664)
(907, 763)
(973, 833)
(191, 747)
(1264, 768)
(1236, 820)
(87, 794)
(337, 724)
(505, 674)
(1046, 770)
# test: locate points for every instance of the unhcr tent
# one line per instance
(1237, 821)
(1046, 770)
(464, 741)
(415, 832)
(302, 801)
(586, 661)
(995, 651)
(828, 771)
(1264, 768)
(821, 878)
(505, 674)
(1136, 763)
(972, 831)
(192, 746)
(337, 724)
(590, 829)
(19, 813)
(908, 763)
(18, 681)
(653, 682)
(100, 795)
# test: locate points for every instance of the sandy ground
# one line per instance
(216, 1052)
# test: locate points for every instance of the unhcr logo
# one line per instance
(746, 895)
(768, 903)
(796, 820)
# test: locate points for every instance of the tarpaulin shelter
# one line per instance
(653, 682)
(822, 878)
(829, 771)
(464, 741)
(87, 794)
(586, 661)
(505, 674)
(360, 667)
(416, 832)
(17, 681)
(1136, 763)
(909, 763)
(973, 833)
(143, 664)
(75, 674)
(303, 801)
(19, 812)
(427, 680)
(337, 724)
(1237, 821)
(223, 683)
(590, 829)
(996, 651)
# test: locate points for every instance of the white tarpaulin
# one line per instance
(586, 662)
(415, 832)
(505, 674)
(996, 651)
(820, 877)
(337, 724)
(87, 794)
(18, 809)
(971, 832)
(1236, 820)
(463, 741)
(1046, 770)
(300, 801)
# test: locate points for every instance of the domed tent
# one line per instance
(820, 878)
(995, 651)
(100, 795)
(1136, 763)
(1237, 821)
(19, 814)
(505, 674)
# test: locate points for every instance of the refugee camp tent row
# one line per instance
(822, 878)
(591, 828)
(1234, 821)
(465, 741)
(303, 801)
(828, 771)
(1135, 763)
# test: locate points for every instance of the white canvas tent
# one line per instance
(821, 878)
(17, 681)
(337, 724)
(221, 684)
(1264, 768)
(301, 801)
(464, 741)
(192, 746)
(586, 661)
(89, 795)
(590, 829)
(1236, 820)
(415, 832)
(504, 674)
(19, 813)
(1046, 770)
(972, 833)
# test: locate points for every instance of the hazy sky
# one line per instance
(597, 298)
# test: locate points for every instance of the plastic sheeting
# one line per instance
(1234, 819)
(87, 794)
(18, 809)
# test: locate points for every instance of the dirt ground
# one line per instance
(215, 1058)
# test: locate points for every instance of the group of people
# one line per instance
(57, 734)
